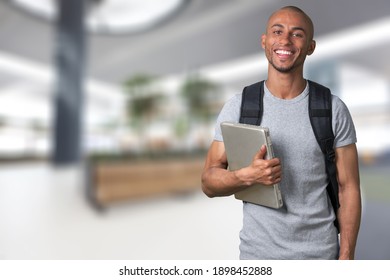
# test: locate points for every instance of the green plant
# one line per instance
(199, 92)
(143, 99)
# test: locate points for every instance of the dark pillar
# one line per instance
(68, 102)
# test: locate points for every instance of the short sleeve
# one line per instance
(343, 126)
(229, 113)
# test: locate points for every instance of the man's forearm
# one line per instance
(221, 182)
(349, 215)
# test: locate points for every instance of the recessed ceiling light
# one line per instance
(111, 16)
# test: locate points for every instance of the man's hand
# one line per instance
(261, 170)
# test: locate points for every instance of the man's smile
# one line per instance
(284, 53)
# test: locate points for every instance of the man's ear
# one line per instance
(311, 47)
(263, 37)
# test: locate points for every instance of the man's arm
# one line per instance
(349, 213)
(218, 181)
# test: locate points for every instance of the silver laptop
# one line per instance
(242, 142)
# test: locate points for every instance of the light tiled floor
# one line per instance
(44, 215)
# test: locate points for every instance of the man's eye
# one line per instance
(277, 32)
(299, 35)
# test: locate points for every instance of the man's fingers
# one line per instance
(261, 153)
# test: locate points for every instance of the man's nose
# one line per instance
(285, 39)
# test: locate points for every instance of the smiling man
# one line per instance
(306, 226)
(288, 40)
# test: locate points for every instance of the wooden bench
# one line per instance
(120, 180)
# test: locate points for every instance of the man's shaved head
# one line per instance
(299, 11)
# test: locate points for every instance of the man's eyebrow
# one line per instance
(294, 28)
(299, 28)
(277, 25)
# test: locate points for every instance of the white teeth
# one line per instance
(283, 52)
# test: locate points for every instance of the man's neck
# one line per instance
(286, 85)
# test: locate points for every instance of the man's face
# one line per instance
(288, 40)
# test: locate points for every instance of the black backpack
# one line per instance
(320, 113)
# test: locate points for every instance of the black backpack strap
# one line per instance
(252, 104)
(320, 112)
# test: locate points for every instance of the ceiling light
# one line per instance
(111, 16)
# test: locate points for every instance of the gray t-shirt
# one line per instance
(303, 228)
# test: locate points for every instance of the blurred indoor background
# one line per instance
(107, 108)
